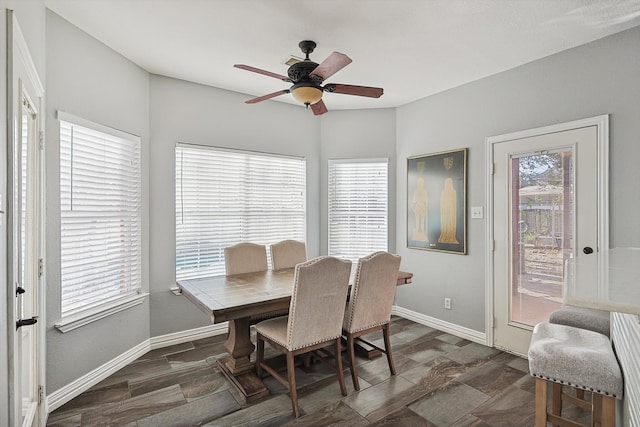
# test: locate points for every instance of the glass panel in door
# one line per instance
(541, 188)
(27, 259)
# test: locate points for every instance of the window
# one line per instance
(100, 216)
(358, 207)
(224, 197)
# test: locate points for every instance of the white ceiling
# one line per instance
(411, 48)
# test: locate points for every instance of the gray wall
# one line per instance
(88, 79)
(192, 113)
(357, 135)
(598, 78)
(31, 18)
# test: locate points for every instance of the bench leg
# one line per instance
(604, 411)
(556, 400)
(541, 403)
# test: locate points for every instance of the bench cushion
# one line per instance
(576, 357)
(584, 318)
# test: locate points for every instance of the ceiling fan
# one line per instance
(307, 78)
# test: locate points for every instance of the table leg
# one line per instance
(237, 367)
(239, 346)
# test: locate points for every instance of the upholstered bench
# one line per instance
(583, 318)
(583, 359)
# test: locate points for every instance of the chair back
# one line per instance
(373, 292)
(245, 258)
(318, 301)
(287, 254)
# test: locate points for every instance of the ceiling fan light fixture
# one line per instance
(306, 93)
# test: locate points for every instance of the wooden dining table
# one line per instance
(241, 300)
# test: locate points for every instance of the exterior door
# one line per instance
(545, 212)
(25, 222)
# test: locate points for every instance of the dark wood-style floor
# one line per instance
(441, 380)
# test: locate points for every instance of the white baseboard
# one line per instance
(188, 335)
(85, 382)
(451, 328)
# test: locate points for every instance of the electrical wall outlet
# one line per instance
(447, 303)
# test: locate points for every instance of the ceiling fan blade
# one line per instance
(264, 72)
(319, 108)
(371, 92)
(334, 63)
(265, 97)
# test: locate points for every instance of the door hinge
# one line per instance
(493, 168)
(40, 267)
(40, 394)
(493, 245)
(495, 322)
(41, 140)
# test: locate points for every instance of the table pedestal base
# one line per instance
(247, 383)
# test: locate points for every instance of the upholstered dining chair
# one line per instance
(314, 321)
(249, 258)
(370, 303)
(287, 254)
(245, 258)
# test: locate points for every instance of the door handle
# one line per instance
(587, 250)
(26, 322)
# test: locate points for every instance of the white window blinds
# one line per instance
(224, 197)
(100, 215)
(358, 207)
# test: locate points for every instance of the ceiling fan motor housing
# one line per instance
(301, 70)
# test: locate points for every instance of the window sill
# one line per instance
(81, 319)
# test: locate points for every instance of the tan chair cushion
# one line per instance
(245, 258)
(275, 329)
(288, 254)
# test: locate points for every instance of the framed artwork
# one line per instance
(436, 201)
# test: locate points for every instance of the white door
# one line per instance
(25, 222)
(545, 210)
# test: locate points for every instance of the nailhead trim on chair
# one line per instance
(367, 327)
(604, 393)
(314, 343)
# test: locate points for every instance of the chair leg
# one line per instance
(387, 347)
(291, 370)
(541, 403)
(343, 387)
(259, 355)
(352, 361)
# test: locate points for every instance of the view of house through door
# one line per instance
(545, 212)
(541, 223)
(26, 231)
